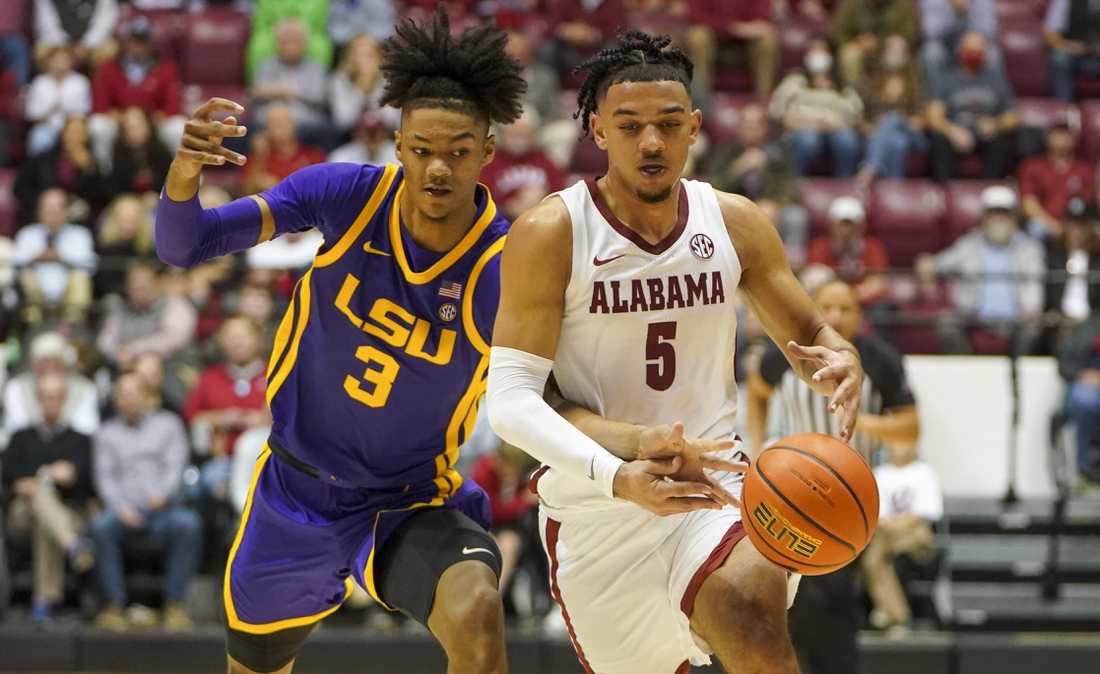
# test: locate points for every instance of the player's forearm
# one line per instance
(758, 423)
(901, 426)
(187, 235)
(617, 437)
(521, 417)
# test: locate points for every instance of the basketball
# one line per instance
(810, 504)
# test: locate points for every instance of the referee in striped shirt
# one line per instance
(825, 618)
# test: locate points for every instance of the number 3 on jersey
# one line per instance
(660, 369)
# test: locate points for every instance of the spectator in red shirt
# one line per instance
(521, 174)
(137, 77)
(578, 29)
(742, 29)
(276, 152)
(1049, 181)
(228, 399)
(505, 477)
(857, 257)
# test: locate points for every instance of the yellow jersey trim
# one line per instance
(380, 191)
(227, 593)
(468, 299)
(267, 229)
(452, 256)
(282, 335)
(304, 295)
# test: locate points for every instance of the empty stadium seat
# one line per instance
(215, 46)
(1009, 10)
(8, 207)
(1027, 63)
(962, 207)
(1044, 113)
(726, 79)
(816, 194)
(1090, 130)
(195, 95)
(588, 158)
(905, 215)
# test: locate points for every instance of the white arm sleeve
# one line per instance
(520, 416)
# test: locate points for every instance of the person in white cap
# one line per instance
(50, 353)
(857, 257)
(999, 288)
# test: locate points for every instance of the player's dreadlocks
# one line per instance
(638, 57)
(469, 73)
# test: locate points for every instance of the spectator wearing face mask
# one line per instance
(998, 290)
(972, 110)
(895, 121)
(819, 117)
(944, 22)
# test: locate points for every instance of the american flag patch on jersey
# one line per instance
(452, 289)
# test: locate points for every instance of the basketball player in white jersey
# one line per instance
(623, 287)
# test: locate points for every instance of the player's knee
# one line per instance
(749, 607)
(480, 611)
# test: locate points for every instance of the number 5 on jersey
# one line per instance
(660, 369)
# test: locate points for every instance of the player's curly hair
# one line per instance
(427, 67)
(636, 57)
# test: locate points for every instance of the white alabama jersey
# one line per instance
(649, 331)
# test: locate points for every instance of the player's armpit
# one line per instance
(534, 272)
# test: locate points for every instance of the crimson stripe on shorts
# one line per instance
(684, 668)
(552, 528)
(717, 556)
(533, 485)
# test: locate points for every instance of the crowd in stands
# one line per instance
(897, 145)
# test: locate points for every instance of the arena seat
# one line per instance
(1044, 113)
(1027, 63)
(215, 46)
(195, 95)
(816, 194)
(8, 207)
(794, 32)
(1087, 86)
(905, 215)
(588, 158)
(729, 79)
(962, 207)
(1090, 131)
(1009, 10)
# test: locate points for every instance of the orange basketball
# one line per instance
(810, 504)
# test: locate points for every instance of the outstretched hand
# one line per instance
(696, 457)
(844, 370)
(202, 137)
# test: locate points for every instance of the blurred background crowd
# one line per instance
(939, 157)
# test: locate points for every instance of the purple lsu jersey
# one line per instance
(381, 360)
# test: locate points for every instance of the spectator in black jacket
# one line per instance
(140, 161)
(1070, 258)
(47, 480)
(69, 165)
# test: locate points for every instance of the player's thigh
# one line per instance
(285, 573)
(611, 580)
(743, 601)
(429, 546)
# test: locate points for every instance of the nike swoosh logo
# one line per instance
(371, 249)
(592, 469)
(599, 263)
(470, 551)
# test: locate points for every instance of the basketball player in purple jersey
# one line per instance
(378, 366)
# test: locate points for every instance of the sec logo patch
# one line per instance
(702, 247)
(448, 312)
